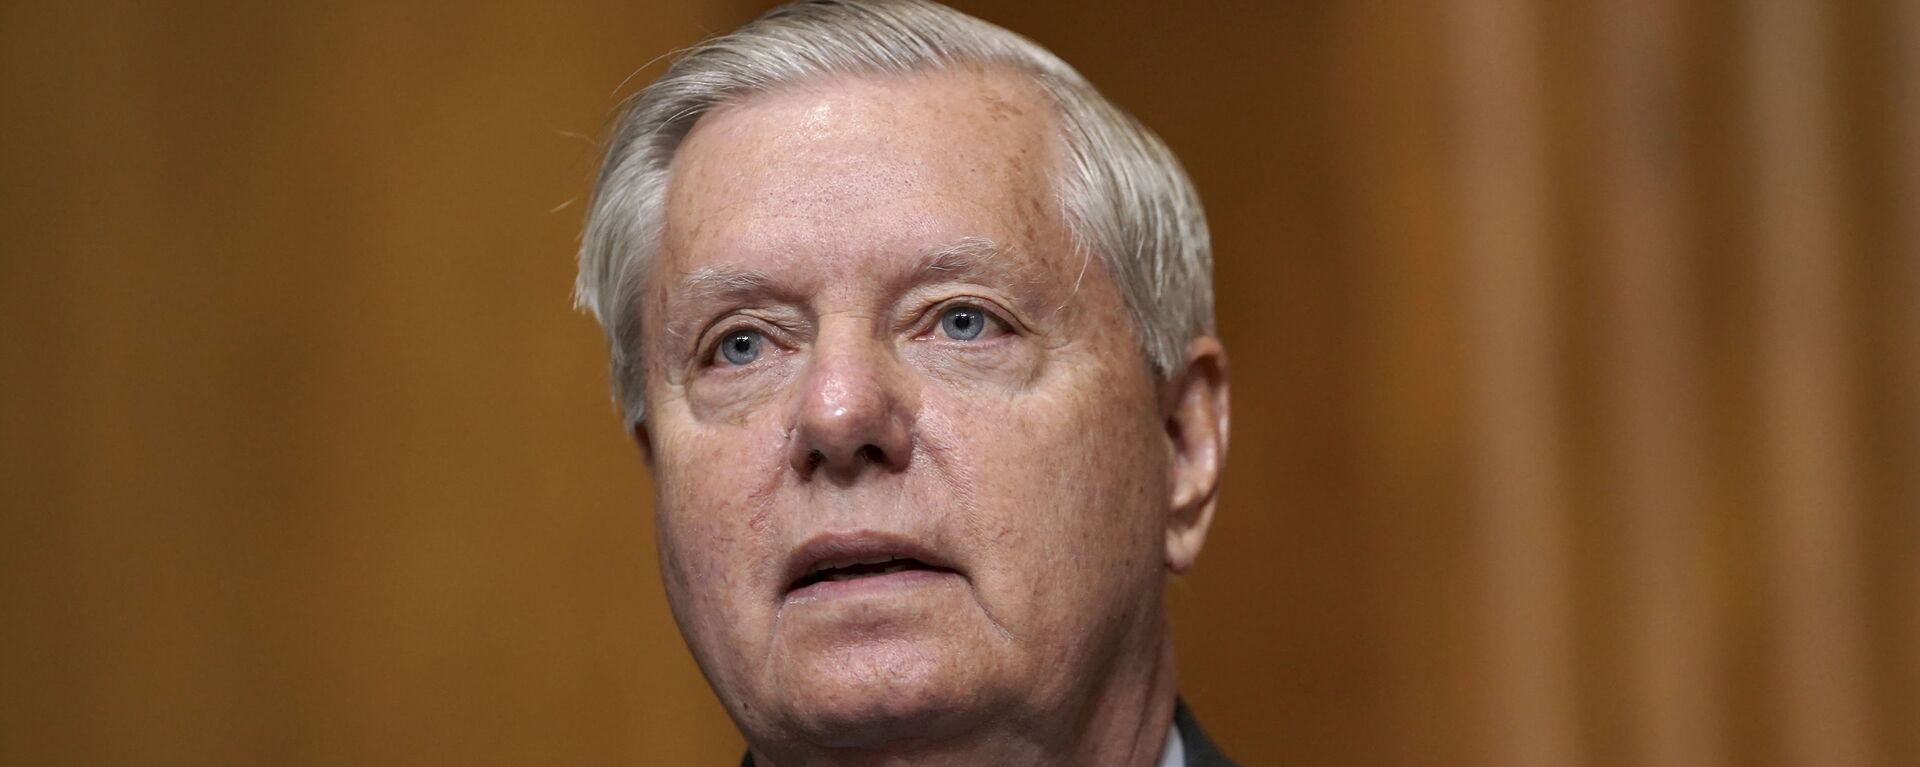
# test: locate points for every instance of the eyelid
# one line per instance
(995, 313)
(709, 347)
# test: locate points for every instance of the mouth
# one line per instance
(848, 564)
(840, 570)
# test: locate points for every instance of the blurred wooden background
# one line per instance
(1576, 356)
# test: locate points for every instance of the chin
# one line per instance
(884, 692)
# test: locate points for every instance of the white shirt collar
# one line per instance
(1175, 752)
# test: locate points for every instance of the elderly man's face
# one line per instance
(913, 469)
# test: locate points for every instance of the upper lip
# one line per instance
(838, 549)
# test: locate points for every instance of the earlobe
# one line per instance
(1196, 423)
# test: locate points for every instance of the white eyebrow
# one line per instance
(959, 257)
(718, 282)
(962, 257)
(975, 259)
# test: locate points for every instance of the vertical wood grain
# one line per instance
(1900, 713)
(1654, 382)
(1510, 361)
(1812, 509)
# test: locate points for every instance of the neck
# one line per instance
(1124, 721)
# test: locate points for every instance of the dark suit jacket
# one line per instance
(1200, 750)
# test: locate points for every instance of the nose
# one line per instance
(855, 413)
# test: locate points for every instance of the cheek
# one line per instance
(712, 517)
(1069, 489)
(1090, 476)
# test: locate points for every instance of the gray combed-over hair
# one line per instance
(1122, 193)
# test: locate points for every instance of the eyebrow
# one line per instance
(724, 283)
(961, 259)
(971, 259)
(955, 260)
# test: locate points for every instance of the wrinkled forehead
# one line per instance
(834, 178)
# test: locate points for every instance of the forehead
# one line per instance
(856, 173)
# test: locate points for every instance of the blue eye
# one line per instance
(963, 323)
(741, 346)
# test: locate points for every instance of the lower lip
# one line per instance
(871, 585)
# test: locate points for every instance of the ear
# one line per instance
(1194, 404)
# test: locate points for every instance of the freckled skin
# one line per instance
(1036, 459)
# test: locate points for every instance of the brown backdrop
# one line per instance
(1575, 351)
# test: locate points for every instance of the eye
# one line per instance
(964, 323)
(740, 347)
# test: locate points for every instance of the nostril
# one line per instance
(815, 458)
(872, 454)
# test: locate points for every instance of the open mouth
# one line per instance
(864, 564)
(839, 570)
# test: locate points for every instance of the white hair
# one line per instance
(1122, 194)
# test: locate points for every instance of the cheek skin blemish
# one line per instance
(771, 463)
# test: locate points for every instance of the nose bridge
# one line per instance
(855, 406)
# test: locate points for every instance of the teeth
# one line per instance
(898, 566)
(851, 561)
